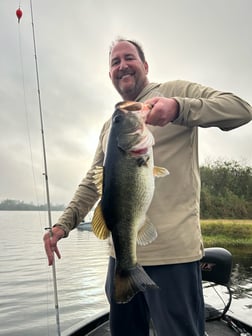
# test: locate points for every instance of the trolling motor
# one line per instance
(216, 267)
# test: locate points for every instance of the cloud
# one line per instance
(205, 42)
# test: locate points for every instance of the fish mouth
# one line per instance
(136, 107)
(130, 106)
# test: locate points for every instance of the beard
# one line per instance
(128, 88)
(129, 83)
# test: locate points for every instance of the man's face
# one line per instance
(127, 71)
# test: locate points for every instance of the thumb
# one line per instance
(152, 101)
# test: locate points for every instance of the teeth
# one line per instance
(125, 75)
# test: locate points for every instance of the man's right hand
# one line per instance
(164, 110)
(50, 243)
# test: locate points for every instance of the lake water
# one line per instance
(26, 285)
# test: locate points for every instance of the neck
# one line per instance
(132, 95)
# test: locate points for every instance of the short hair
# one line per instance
(135, 43)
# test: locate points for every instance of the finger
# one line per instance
(57, 252)
(146, 108)
(50, 258)
(50, 244)
(152, 101)
(48, 248)
(151, 116)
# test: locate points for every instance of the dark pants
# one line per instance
(176, 308)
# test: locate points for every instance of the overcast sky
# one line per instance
(208, 42)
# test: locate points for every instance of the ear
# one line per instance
(146, 67)
(109, 75)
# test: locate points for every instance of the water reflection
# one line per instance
(241, 283)
(241, 278)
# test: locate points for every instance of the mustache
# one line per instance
(124, 73)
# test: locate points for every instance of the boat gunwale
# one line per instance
(92, 323)
(87, 325)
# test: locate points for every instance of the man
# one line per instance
(172, 260)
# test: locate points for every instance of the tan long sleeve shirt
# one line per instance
(175, 206)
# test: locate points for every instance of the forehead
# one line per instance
(123, 48)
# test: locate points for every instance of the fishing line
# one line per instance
(28, 133)
(56, 304)
(27, 118)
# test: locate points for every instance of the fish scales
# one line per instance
(127, 191)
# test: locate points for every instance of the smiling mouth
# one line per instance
(124, 75)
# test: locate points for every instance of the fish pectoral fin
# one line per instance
(98, 223)
(98, 179)
(147, 234)
(160, 171)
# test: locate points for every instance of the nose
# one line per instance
(123, 65)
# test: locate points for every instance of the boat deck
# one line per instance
(219, 328)
(218, 323)
(213, 328)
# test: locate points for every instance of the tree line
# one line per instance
(226, 192)
(16, 205)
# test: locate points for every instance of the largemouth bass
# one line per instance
(126, 184)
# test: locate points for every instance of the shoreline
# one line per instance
(230, 233)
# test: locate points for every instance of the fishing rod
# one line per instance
(56, 301)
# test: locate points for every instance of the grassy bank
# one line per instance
(228, 233)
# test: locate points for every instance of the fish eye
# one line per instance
(117, 119)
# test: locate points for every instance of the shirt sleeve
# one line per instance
(205, 107)
(86, 194)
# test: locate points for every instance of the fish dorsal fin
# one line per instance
(160, 171)
(98, 179)
(147, 234)
(98, 223)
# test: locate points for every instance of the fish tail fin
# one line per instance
(129, 282)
